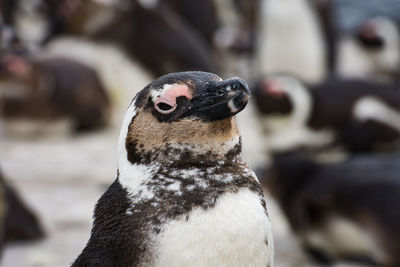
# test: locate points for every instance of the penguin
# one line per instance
(18, 223)
(50, 88)
(21, 222)
(351, 114)
(342, 211)
(372, 51)
(183, 196)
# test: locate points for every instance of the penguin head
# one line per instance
(184, 114)
(378, 33)
(276, 94)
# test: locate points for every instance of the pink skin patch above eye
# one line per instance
(170, 95)
(272, 87)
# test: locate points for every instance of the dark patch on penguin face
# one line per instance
(219, 100)
(183, 112)
(185, 156)
(369, 37)
(271, 98)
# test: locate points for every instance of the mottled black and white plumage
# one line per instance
(184, 195)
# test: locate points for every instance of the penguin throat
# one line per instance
(179, 162)
(176, 154)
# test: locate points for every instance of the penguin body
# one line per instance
(342, 211)
(183, 196)
(53, 88)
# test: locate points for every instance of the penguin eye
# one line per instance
(164, 108)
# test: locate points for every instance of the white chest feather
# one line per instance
(236, 232)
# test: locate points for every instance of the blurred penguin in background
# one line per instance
(343, 211)
(48, 89)
(372, 51)
(17, 222)
(354, 115)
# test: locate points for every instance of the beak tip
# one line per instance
(243, 85)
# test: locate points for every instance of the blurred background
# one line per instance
(322, 129)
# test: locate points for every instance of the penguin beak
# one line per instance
(219, 100)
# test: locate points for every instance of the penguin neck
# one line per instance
(180, 162)
(183, 156)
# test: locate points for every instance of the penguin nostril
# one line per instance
(164, 108)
